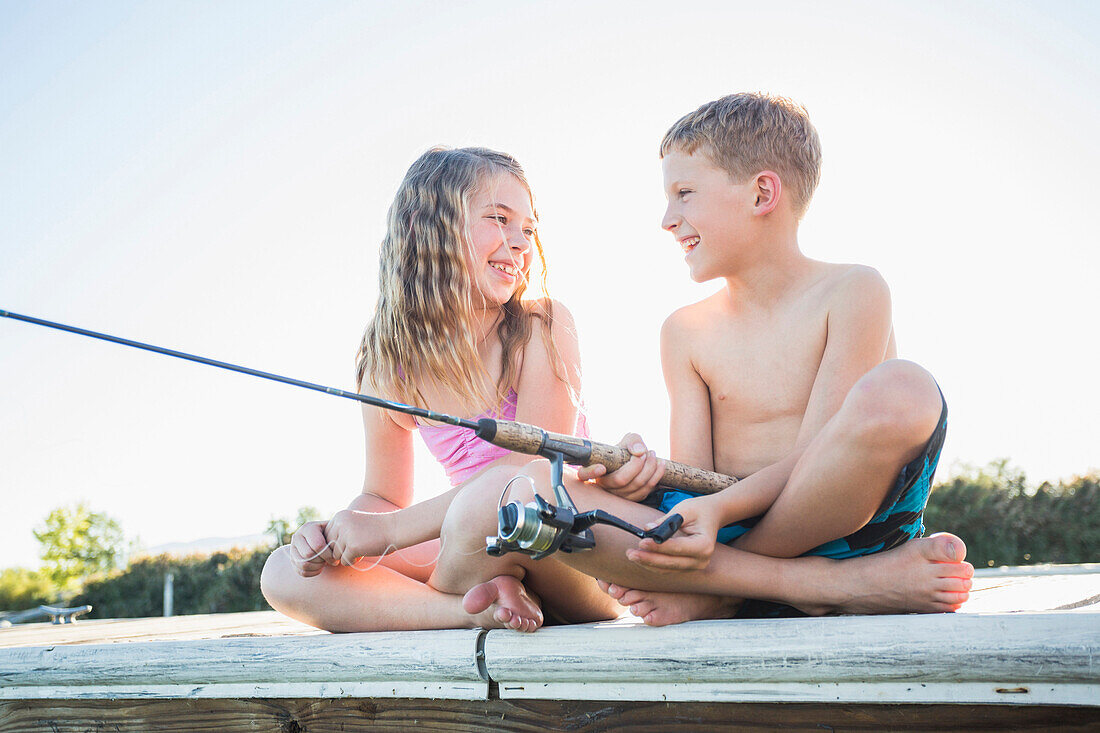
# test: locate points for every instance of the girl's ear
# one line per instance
(768, 189)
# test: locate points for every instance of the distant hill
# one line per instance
(208, 545)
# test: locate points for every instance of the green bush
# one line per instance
(21, 589)
(224, 582)
(1003, 522)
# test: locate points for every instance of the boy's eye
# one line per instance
(683, 192)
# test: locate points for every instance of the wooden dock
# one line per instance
(1018, 656)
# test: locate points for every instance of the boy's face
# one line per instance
(710, 216)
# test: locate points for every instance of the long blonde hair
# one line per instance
(423, 324)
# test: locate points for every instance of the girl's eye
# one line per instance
(529, 232)
(683, 192)
(498, 217)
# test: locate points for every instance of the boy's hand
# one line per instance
(635, 479)
(354, 534)
(309, 550)
(688, 549)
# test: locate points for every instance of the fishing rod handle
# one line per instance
(530, 439)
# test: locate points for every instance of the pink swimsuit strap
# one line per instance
(462, 454)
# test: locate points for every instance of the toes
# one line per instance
(954, 585)
(658, 617)
(615, 591)
(631, 597)
(642, 608)
(943, 547)
(604, 586)
(954, 599)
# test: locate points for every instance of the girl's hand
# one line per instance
(635, 479)
(688, 549)
(354, 534)
(309, 550)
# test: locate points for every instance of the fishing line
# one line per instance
(378, 560)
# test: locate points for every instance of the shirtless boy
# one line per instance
(787, 378)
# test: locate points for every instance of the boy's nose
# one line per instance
(671, 220)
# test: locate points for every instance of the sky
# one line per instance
(214, 177)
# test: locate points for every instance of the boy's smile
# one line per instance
(707, 212)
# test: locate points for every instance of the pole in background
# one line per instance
(169, 580)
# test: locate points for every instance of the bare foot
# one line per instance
(926, 575)
(665, 609)
(503, 603)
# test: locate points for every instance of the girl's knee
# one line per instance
(277, 575)
(475, 506)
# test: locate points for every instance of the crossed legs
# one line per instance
(835, 488)
(388, 593)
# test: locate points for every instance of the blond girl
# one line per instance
(453, 332)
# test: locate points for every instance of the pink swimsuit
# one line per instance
(462, 454)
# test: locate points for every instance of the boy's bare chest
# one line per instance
(762, 370)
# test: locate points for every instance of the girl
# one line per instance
(451, 331)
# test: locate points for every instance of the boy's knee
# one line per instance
(896, 403)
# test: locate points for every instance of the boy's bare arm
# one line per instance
(690, 428)
(690, 436)
(859, 336)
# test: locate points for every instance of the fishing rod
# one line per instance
(538, 528)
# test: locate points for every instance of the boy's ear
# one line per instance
(768, 189)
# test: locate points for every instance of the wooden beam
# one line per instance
(960, 658)
(391, 664)
(519, 716)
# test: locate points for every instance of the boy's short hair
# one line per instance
(749, 132)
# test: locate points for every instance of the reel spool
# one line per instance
(539, 528)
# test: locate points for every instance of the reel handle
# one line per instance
(665, 529)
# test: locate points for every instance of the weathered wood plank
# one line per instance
(520, 716)
(400, 664)
(204, 626)
(1030, 658)
(853, 658)
(1011, 593)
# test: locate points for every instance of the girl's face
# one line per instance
(502, 232)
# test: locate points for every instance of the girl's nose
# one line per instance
(518, 240)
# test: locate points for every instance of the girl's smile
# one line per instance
(502, 233)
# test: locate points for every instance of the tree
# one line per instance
(77, 543)
(282, 529)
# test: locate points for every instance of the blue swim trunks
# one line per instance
(898, 520)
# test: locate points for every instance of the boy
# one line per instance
(787, 378)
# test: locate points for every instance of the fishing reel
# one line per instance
(540, 528)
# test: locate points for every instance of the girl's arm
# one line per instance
(544, 399)
(364, 527)
(389, 461)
